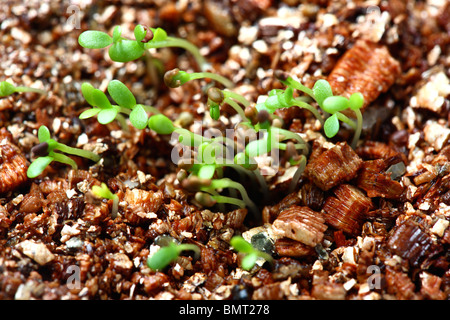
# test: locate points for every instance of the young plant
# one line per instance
(102, 191)
(7, 89)
(250, 253)
(107, 112)
(47, 149)
(217, 98)
(168, 254)
(334, 105)
(124, 50)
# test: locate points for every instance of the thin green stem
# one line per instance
(298, 173)
(123, 122)
(193, 139)
(286, 134)
(237, 97)
(79, 152)
(359, 123)
(310, 108)
(236, 107)
(28, 89)
(217, 77)
(223, 199)
(227, 183)
(181, 43)
(64, 159)
(151, 109)
(188, 246)
(346, 120)
(297, 85)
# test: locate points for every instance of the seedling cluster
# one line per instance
(202, 172)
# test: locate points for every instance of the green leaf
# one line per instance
(331, 126)
(161, 124)
(288, 95)
(248, 262)
(335, 104)
(116, 34)
(163, 257)
(321, 91)
(138, 117)
(121, 94)
(106, 116)
(89, 113)
(241, 245)
(43, 134)
(139, 32)
(206, 171)
(102, 191)
(214, 111)
(159, 34)
(125, 50)
(356, 101)
(94, 39)
(86, 90)
(100, 99)
(6, 89)
(38, 166)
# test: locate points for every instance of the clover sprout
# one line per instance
(7, 89)
(102, 191)
(169, 253)
(107, 112)
(250, 253)
(124, 50)
(46, 152)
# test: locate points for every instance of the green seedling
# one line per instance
(168, 254)
(102, 191)
(47, 149)
(251, 254)
(107, 112)
(334, 105)
(175, 78)
(217, 98)
(7, 89)
(124, 50)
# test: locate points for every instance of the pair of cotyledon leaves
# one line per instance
(107, 112)
(121, 50)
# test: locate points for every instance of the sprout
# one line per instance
(124, 50)
(250, 253)
(336, 104)
(103, 192)
(168, 254)
(7, 89)
(107, 112)
(46, 150)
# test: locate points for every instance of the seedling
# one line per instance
(336, 104)
(7, 89)
(217, 98)
(46, 152)
(124, 50)
(250, 253)
(168, 254)
(107, 112)
(103, 192)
